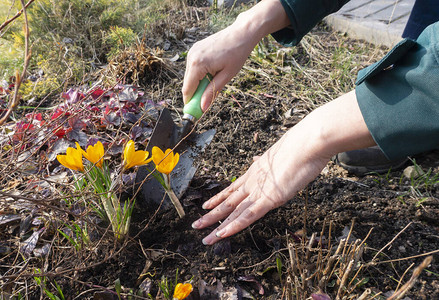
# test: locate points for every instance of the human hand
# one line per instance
(273, 179)
(224, 53)
(287, 167)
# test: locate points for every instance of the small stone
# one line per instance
(413, 172)
(256, 137)
(189, 40)
(230, 293)
(166, 45)
(5, 250)
(192, 29)
(67, 40)
(289, 113)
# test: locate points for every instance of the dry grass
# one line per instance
(322, 265)
(140, 66)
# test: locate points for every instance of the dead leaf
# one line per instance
(29, 245)
(43, 251)
(6, 219)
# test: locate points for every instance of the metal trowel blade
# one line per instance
(166, 135)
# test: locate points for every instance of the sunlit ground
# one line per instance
(11, 57)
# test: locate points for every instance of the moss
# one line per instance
(119, 38)
(40, 88)
(11, 59)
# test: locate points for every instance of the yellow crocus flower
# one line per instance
(95, 154)
(165, 162)
(132, 158)
(72, 159)
(181, 291)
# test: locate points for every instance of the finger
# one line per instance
(213, 237)
(241, 218)
(221, 211)
(224, 194)
(255, 158)
(214, 87)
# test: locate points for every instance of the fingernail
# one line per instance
(196, 224)
(206, 241)
(205, 205)
(220, 233)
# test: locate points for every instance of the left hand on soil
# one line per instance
(287, 167)
(271, 180)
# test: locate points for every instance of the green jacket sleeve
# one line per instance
(399, 97)
(304, 15)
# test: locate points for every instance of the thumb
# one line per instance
(192, 77)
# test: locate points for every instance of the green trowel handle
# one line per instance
(193, 107)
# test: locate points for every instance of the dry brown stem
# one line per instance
(310, 267)
(409, 284)
(389, 243)
(18, 14)
(19, 78)
(346, 274)
(365, 294)
(139, 65)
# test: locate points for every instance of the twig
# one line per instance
(291, 252)
(320, 252)
(18, 14)
(341, 288)
(174, 199)
(305, 214)
(394, 238)
(354, 278)
(376, 295)
(263, 261)
(41, 202)
(403, 275)
(409, 284)
(404, 258)
(19, 78)
(347, 244)
(365, 294)
(329, 269)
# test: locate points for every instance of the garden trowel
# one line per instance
(167, 134)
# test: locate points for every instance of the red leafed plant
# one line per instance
(80, 117)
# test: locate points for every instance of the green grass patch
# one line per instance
(12, 55)
(11, 58)
(4, 9)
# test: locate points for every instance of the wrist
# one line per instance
(264, 18)
(338, 126)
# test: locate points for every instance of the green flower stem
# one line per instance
(119, 217)
(172, 196)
